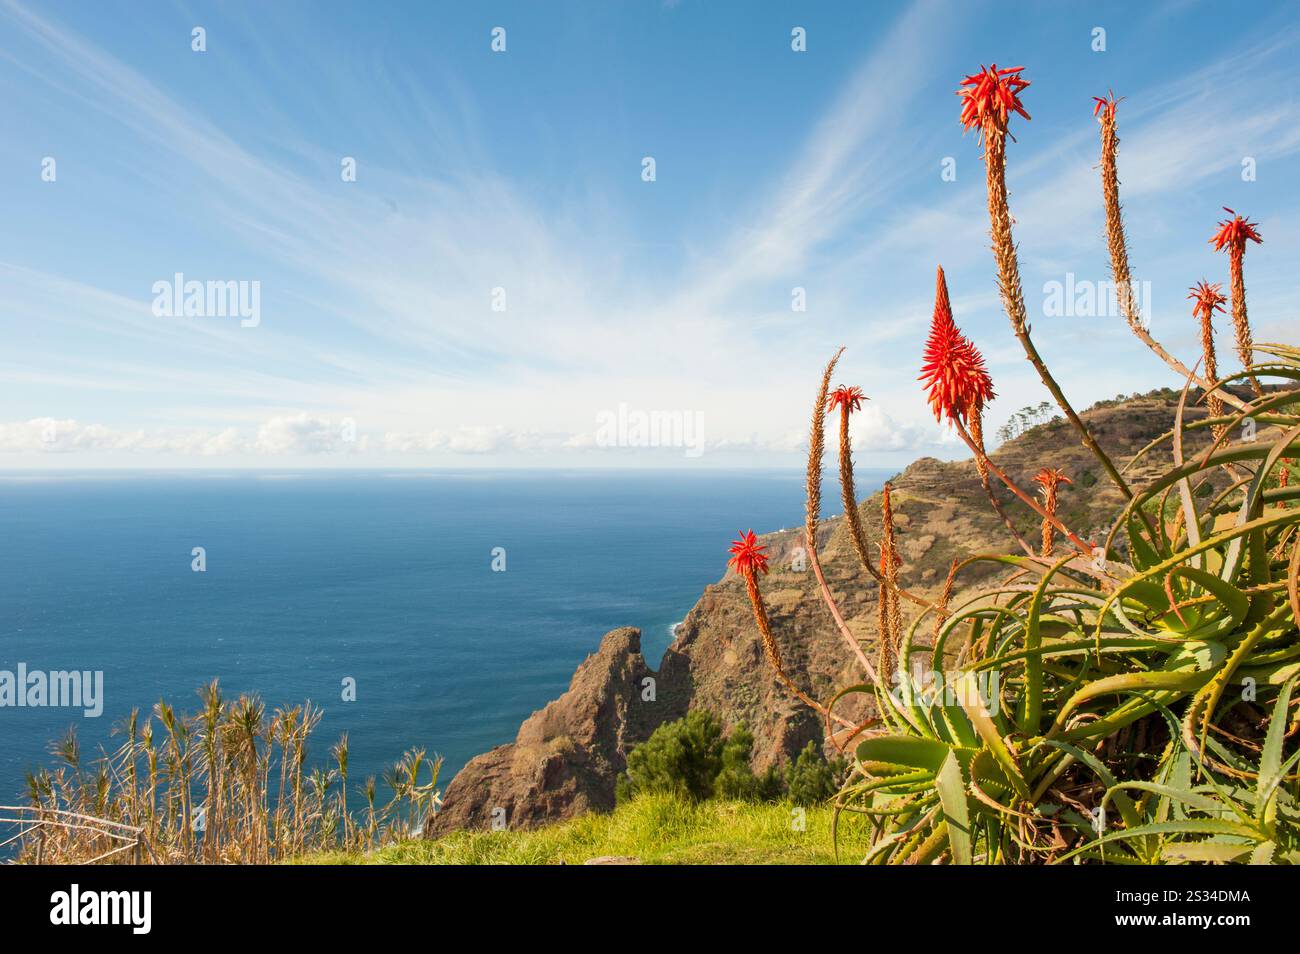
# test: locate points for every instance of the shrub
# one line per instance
(692, 758)
(737, 780)
(810, 779)
(682, 758)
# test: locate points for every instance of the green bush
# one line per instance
(682, 758)
(737, 780)
(811, 779)
(692, 758)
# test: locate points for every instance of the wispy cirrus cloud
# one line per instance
(379, 294)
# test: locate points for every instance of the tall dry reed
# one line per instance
(227, 784)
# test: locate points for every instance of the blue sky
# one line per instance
(376, 342)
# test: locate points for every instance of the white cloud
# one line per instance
(300, 433)
(871, 429)
(48, 435)
(279, 436)
(478, 440)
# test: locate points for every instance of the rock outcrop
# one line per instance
(567, 756)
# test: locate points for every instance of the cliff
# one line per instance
(566, 757)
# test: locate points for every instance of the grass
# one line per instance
(653, 829)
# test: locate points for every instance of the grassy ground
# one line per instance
(653, 829)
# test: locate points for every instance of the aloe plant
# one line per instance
(1129, 701)
(1141, 717)
(1252, 816)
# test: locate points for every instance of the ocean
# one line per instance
(383, 578)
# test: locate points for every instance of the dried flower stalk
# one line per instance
(1117, 243)
(890, 622)
(812, 515)
(988, 99)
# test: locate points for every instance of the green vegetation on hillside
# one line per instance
(692, 759)
(652, 829)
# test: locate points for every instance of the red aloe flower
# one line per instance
(1234, 232)
(1105, 108)
(850, 398)
(954, 370)
(747, 556)
(1232, 235)
(1051, 477)
(989, 97)
(748, 559)
(1208, 298)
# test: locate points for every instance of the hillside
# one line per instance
(566, 756)
(653, 829)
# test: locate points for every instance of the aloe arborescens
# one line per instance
(1082, 693)
(749, 560)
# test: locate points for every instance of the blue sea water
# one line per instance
(384, 578)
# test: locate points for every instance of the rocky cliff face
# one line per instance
(567, 756)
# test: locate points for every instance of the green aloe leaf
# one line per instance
(968, 693)
(1270, 761)
(1211, 851)
(1226, 595)
(956, 810)
(1192, 826)
(1185, 796)
(889, 753)
(1133, 682)
(1263, 853)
